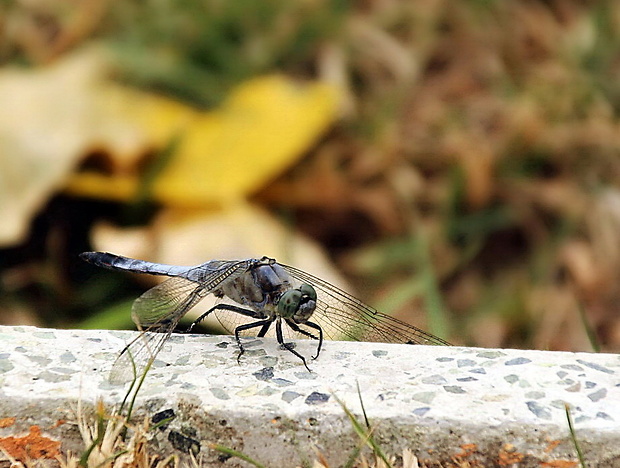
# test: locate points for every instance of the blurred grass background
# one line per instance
(473, 172)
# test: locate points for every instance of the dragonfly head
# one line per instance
(298, 304)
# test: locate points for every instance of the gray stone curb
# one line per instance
(488, 407)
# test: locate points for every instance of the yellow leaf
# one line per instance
(223, 155)
(263, 128)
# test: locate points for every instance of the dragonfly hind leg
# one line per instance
(261, 323)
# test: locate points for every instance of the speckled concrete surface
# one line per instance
(486, 406)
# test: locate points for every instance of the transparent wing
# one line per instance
(157, 313)
(230, 320)
(343, 316)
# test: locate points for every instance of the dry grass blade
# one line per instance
(409, 459)
(107, 448)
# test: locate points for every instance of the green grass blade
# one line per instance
(359, 394)
(138, 386)
(573, 436)
(100, 433)
(235, 453)
(364, 434)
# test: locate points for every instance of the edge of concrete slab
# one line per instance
(446, 404)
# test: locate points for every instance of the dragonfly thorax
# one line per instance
(298, 304)
(269, 289)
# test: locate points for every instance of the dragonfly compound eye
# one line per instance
(298, 304)
(289, 303)
(308, 291)
(307, 304)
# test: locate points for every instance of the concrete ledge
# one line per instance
(488, 407)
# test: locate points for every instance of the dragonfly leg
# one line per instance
(288, 346)
(239, 310)
(320, 330)
(264, 330)
(298, 329)
(248, 326)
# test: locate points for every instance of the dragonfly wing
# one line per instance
(343, 316)
(157, 313)
(168, 301)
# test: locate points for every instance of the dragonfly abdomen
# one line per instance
(118, 262)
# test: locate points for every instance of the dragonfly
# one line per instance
(252, 294)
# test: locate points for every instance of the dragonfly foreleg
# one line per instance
(288, 346)
(296, 328)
